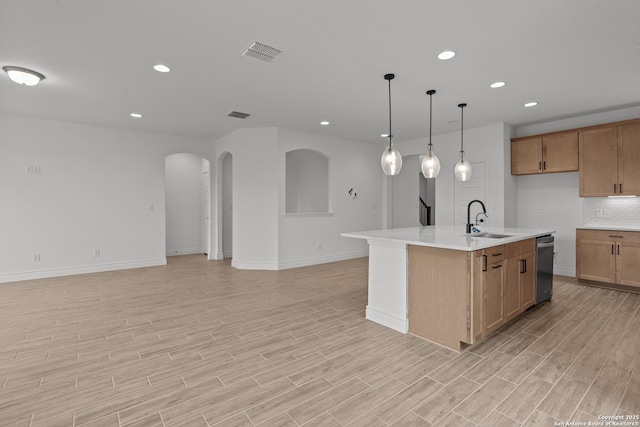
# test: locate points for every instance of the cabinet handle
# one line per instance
(544, 164)
(618, 237)
(539, 165)
(620, 186)
(618, 249)
(498, 254)
(523, 267)
(614, 188)
(497, 266)
(612, 249)
(484, 263)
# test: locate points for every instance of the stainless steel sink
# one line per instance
(489, 235)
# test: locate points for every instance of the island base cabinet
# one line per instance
(493, 301)
(439, 295)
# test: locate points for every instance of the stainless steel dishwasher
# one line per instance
(544, 268)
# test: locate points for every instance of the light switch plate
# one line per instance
(607, 213)
(598, 213)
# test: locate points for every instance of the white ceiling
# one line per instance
(572, 56)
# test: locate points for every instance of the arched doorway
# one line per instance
(187, 204)
(225, 206)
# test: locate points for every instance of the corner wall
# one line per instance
(98, 188)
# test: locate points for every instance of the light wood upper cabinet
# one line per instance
(629, 159)
(526, 156)
(599, 162)
(556, 152)
(609, 158)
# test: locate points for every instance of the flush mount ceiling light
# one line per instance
(447, 54)
(325, 123)
(531, 104)
(136, 115)
(161, 68)
(497, 85)
(391, 160)
(463, 167)
(23, 76)
(430, 163)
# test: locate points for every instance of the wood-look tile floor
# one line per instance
(198, 343)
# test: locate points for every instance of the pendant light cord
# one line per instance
(430, 117)
(390, 134)
(462, 130)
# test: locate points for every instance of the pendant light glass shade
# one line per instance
(462, 169)
(430, 163)
(391, 160)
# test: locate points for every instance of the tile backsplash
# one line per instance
(623, 211)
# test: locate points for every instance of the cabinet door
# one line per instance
(598, 162)
(526, 156)
(493, 298)
(629, 159)
(560, 152)
(528, 281)
(628, 263)
(513, 269)
(595, 260)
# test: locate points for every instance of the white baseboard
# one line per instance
(253, 265)
(385, 319)
(68, 271)
(184, 251)
(321, 260)
(218, 256)
(227, 255)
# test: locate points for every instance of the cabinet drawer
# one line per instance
(520, 248)
(495, 254)
(608, 235)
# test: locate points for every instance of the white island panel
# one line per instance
(387, 303)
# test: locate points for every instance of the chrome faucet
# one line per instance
(484, 211)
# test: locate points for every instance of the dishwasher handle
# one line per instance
(545, 245)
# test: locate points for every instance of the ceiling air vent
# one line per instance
(261, 52)
(238, 115)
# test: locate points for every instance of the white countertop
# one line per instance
(609, 227)
(447, 237)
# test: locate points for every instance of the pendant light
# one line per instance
(463, 167)
(430, 163)
(391, 160)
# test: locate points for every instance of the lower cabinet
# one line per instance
(507, 281)
(608, 256)
(520, 284)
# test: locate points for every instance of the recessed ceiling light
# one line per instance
(136, 115)
(447, 54)
(497, 84)
(531, 104)
(23, 76)
(161, 68)
(325, 123)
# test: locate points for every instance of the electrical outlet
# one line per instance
(598, 213)
(36, 169)
(607, 213)
(96, 252)
(36, 257)
(319, 246)
(540, 212)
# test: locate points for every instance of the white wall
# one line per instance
(557, 194)
(405, 190)
(483, 144)
(311, 239)
(99, 188)
(306, 182)
(257, 167)
(183, 182)
(227, 206)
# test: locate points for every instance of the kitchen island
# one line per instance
(441, 284)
